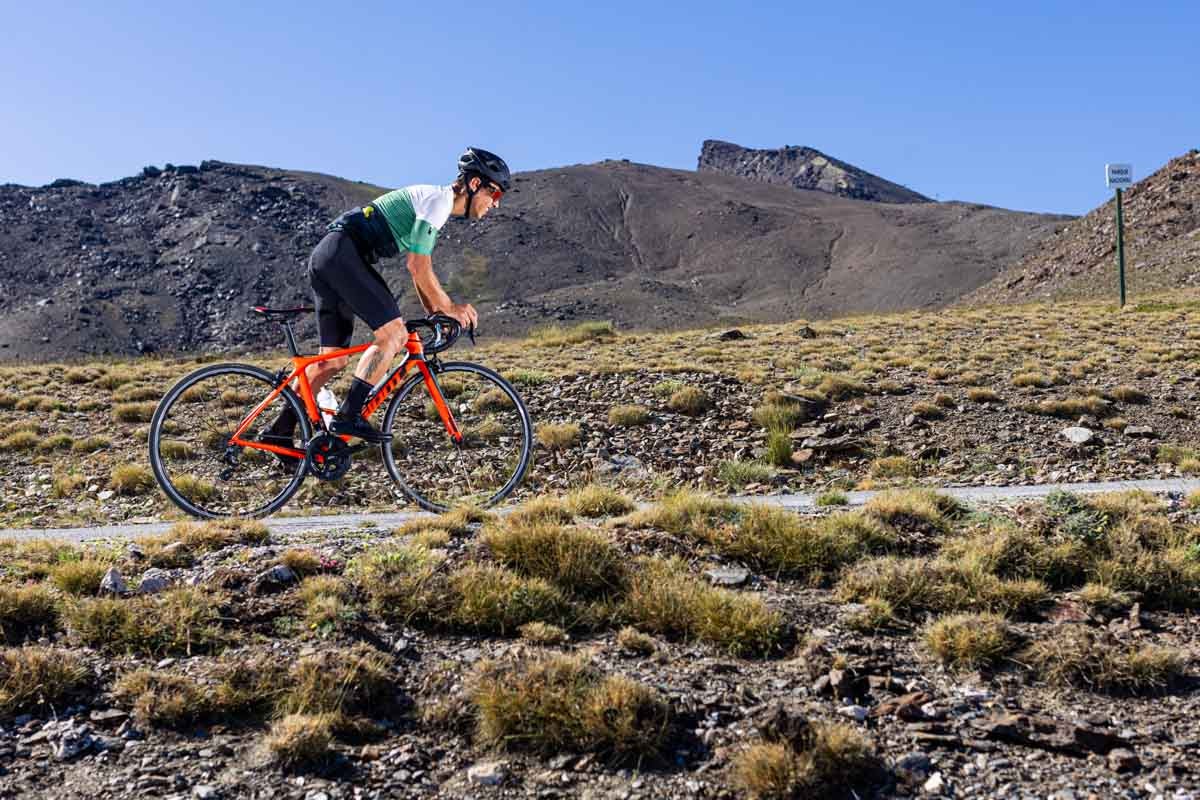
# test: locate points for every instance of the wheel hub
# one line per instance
(328, 457)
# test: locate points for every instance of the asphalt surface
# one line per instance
(284, 524)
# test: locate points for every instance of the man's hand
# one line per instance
(465, 313)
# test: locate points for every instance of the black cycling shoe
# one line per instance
(359, 428)
(282, 432)
(282, 440)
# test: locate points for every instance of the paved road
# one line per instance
(796, 501)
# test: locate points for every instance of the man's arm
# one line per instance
(433, 297)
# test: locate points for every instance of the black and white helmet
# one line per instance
(487, 165)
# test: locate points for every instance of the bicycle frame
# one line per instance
(414, 359)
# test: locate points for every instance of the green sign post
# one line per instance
(1118, 176)
(1120, 248)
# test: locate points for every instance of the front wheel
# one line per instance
(192, 455)
(435, 472)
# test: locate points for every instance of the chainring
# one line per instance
(328, 457)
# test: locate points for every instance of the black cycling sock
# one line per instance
(352, 406)
(285, 423)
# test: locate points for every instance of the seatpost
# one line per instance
(291, 338)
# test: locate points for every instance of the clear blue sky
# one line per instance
(1007, 104)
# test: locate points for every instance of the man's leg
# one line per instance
(389, 341)
(335, 326)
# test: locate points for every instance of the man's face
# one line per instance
(487, 197)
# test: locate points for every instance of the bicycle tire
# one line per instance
(163, 412)
(448, 370)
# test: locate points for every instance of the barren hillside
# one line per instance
(169, 260)
(1162, 244)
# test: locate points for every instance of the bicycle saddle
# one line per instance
(281, 313)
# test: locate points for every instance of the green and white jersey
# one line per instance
(415, 214)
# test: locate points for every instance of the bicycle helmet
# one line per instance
(487, 165)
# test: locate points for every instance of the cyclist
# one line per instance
(345, 283)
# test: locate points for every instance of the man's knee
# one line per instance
(322, 369)
(336, 364)
(391, 339)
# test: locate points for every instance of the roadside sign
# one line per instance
(1118, 176)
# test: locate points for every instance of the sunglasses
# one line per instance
(495, 191)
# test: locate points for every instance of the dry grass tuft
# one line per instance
(894, 467)
(300, 741)
(631, 640)
(739, 474)
(489, 599)
(628, 416)
(352, 681)
(831, 761)
(1129, 394)
(665, 599)
(690, 400)
(978, 395)
(541, 633)
(27, 612)
(563, 704)
(40, 680)
(594, 501)
(969, 641)
(1081, 657)
(915, 586)
(302, 562)
(21, 440)
(559, 436)
(579, 561)
(130, 479)
(180, 621)
(79, 577)
(557, 335)
(133, 412)
(686, 512)
(915, 509)
(161, 698)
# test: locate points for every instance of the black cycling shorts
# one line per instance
(344, 287)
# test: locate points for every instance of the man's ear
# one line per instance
(475, 183)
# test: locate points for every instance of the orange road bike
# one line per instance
(460, 433)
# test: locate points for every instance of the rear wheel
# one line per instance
(425, 462)
(192, 458)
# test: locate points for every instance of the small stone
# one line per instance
(202, 791)
(105, 494)
(275, 579)
(856, 713)
(1123, 760)
(916, 762)
(113, 583)
(1077, 435)
(488, 773)
(727, 576)
(935, 784)
(1139, 431)
(72, 743)
(154, 580)
(108, 715)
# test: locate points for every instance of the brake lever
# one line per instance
(471, 334)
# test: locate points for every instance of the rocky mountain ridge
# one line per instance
(802, 168)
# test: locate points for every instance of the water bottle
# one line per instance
(328, 403)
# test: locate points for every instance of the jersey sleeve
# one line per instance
(431, 210)
(422, 237)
